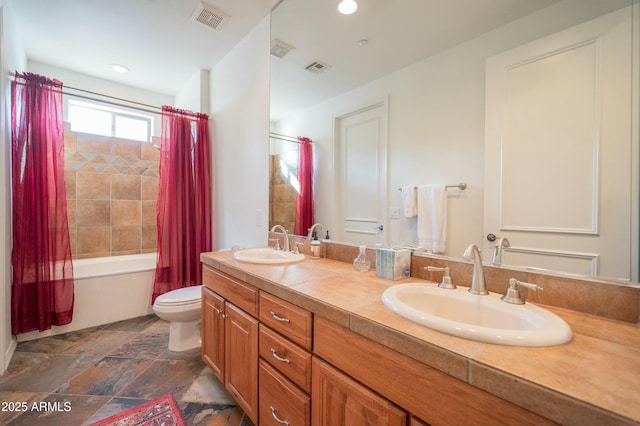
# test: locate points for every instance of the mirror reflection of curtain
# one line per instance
(184, 200)
(42, 288)
(304, 201)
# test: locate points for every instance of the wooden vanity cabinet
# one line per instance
(285, 362)
(426, 393)
(230, 336)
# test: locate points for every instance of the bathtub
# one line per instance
(107, 289)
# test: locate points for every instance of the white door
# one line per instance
(558, 150)
(361, 175)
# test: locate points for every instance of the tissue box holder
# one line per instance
(393, 264)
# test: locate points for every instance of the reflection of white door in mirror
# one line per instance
(558, 151)
(361, 181)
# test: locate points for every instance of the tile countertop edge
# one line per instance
(536, 397)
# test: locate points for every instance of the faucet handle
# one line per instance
(296, 249)
(446, 279)
(277, 245)
(513, 292)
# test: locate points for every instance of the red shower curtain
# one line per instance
(42, 287)
(183, 211)
(304, 200)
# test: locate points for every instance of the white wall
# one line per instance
(12, 58)
(436, 124)
(240, 142)
(194, 95)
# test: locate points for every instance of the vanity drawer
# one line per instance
(241, 294)
(286, 357)
(280, 400)
(289, 320)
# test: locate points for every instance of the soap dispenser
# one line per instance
(361, 263)
(315, 247)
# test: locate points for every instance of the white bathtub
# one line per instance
(108, 289)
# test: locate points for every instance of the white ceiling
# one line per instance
(156, 39)
(163, 47)
(399, 33)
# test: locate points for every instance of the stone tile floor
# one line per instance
(87, 375)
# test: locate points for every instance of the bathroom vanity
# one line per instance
(312, 343)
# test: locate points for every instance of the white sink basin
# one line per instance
(267, 255)
(481, 318)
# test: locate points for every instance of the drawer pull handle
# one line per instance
(273, 414)
(279, 358)
(218, 311)
(277, 318)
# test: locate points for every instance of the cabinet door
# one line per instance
(241, 355)
(340, 400)
(213, 320)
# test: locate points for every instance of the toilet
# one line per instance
(182, 308)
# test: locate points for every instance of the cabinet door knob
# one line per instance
(275, 417)
(277, 318)
(278, 357)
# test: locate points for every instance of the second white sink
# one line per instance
(267, 255)
(481, 318)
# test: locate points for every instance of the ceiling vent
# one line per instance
(210, 17)
(280, 48)
(317, 67)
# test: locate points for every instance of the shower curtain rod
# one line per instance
(281, 137)
(13, 74)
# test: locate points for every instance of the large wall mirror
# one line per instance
(532, 105)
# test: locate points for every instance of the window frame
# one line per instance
(114, 113)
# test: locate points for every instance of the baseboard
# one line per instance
(8, 354)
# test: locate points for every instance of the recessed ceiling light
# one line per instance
(347, 7)
(119, 68)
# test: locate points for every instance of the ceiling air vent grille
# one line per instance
(317, 67)
(210, 17)
(280, 48)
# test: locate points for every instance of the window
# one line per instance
(99, 120)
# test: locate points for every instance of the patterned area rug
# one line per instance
(160, 411)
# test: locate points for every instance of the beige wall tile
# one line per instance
(125, 238)
(125, 148)
(73, 239)
(148, 152)
(70, 183)
(93, 213)
(125, 213)
(148, 213)
(149, 237)
(71, 213)
(125, 187)
(93, 143)
(93, 240)
(149, 187)
(93, 186)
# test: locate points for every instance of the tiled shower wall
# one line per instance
(112, 187)
(282, 196)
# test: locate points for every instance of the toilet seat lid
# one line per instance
(181, 296)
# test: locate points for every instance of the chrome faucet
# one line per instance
(477, 282)
(286, 236)
(497, 251)
(313, 228)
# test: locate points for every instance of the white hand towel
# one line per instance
(409, 197)
(432, 217)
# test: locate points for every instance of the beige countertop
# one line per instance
(594, 379)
